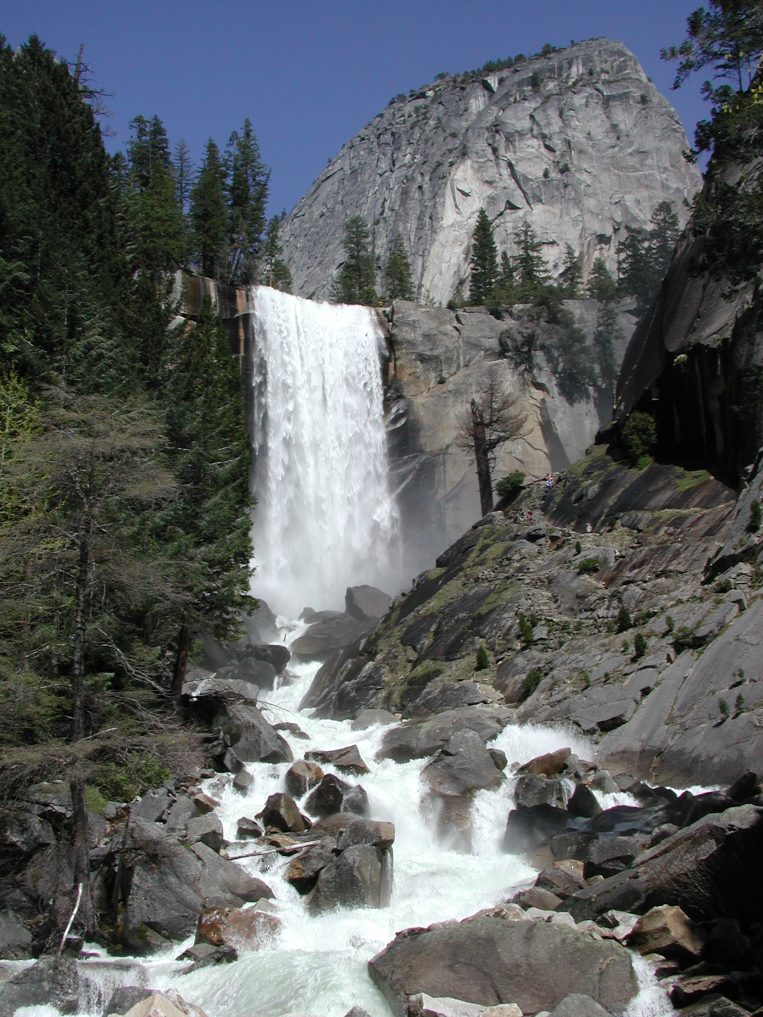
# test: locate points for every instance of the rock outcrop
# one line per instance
(577, 142)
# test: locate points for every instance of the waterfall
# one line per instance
(325, 518)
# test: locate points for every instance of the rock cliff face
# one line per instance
(438, 362)
(577, 143)
(696, 361)
(642, 634)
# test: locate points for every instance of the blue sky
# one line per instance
(308, 74)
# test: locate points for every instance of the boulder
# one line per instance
(165, 885)
(242, 929)
(282, 813)
(301, 776)
(15, 938)
(22, 832)
(153, 806)
(303, 869)
(248, 828)
(50, 981)
(165, 1004)
(417, 739)
(528, 827)
(347, 759)
(667, 930)
(259, 673)
(208, 829)
(366, 603)
(368, 718)
(275, 654)
(578, 1005)
(464, 765)
(204, 955)
(328, 635)
(422, 1005)
(550, 764)
(491, 961)
(335, 795)
(360, 877)
(531, 790)
(703, 869)
(125, 997)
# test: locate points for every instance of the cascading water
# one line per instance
(325, 519)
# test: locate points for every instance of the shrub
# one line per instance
(723, 708)
(639, 645)
(483, 661)
(525, 629)
(578, 547)
(532, 681)
(588, 566)
(639, 437)
(509, 486)
(624, 620)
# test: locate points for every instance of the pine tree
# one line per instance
(483, 262)
(275, 271)
(209, 215)
(529, 264)
(206, 529)
(356, 282)
(571, 273)
(601, 284)
(505, 289)
(182, 167)
(247, 197)
(397, 274)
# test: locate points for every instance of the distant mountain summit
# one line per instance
(576, 142)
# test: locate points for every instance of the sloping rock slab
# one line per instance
(367, 603)
(704, 869)
(329, 635)
(491, 961)
(416, 739)
(51, 981)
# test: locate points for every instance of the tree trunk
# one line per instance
(80, 836)
(482, 459)
(181, 660)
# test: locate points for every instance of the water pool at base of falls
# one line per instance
(318, 964)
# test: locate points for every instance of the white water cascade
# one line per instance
(325, 519)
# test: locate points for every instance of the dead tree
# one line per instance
(491, 420)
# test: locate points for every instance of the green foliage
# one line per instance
(209, 215)
(639, 437)
(588, 566)
(639, 645)
(246, 181)
(531, 682)
(723, 709)
(483, 262)
(525, 627)
(397, 274)
(356, 282)
(601, 285)
(607, 336)
(645, 256)
(509, 486)
(728, 35)
(578, 547)
(275, 271)
(483, 660)
(571, 274)
(623, 620)
(529, 265)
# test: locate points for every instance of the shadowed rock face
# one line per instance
(578, 143)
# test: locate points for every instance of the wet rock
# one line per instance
(327, 636)
(335, 795)
(275, 654)
(248, 828)
(528, 827)
(282, 813)
(165, 885)
(15, 938)
(243, 781)
(165, 1004)
(207, 829)
(258, 673)
(687, 989)
(416, 739)
(701, 869)
(491, 961)
(303, 870)
(301, 776)
(667, 930)
(530, 791)
(550, 764)
(579, 1005)
(50, 981)
(367, 603)
(462, 766)
(559, 881)
(422, 1005)
(368, 718)
(609, 855)
(247, 929)
(347, 759)
(537, 897)
(294, 729)
(583, 803)
(204, 955)
(125, 997)
(360, 877)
